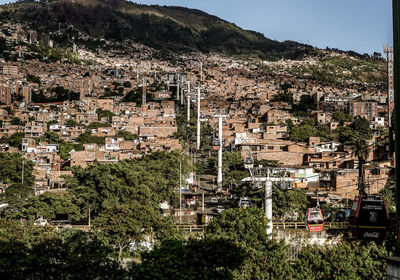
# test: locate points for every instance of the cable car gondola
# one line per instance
(245, 202)
(369, 217)
(248, 162)
(224, 124)
(314, 219)
(215, 143)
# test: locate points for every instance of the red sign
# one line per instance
(316, 228)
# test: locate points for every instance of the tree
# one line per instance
(193, 259)
(243, 227)
(88, 138)
(51, 137)
(305, 104)
(302, 132)
(246, 229)
(11, 167)
(356, 136)
(232, 165)
(283, 97)
(71, 122)
(97, 125)
(16, 139)
(342, 261)
(362, 127)
(32, 79)
(150, 181)
(389, 195)
(127, 84)
(342, 117)
(16, 196)
(17, 121)
(51, 206)
(30, 252)
(126, 135)
(128, 224)
(346, 134)
(324, 132)
(104, 113)
(66, 148)
(9, 110)
(377, 55)
(289, 204)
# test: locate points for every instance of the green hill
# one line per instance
(160, 27)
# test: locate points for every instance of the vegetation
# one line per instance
(11, 169)
(95, 125)
(341, 69)
(16, 139)
(104, 114)
(163, 28)
(121, 203)
(302, 132)
(57, 94)
(127, 84)
(16, 121)
(32, 78)
(126, 135)
(289, 205)
(29, 252)
(66, 148)
(135, 96)
(88, 138)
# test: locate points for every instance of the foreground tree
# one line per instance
(342, 261)
(28, 252)
(131, 224)
(11, 167)
(247, 229)
(193, 259)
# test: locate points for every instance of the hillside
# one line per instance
(159, 27)
(116, 24)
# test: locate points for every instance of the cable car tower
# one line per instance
(260, 176)
(220, 143)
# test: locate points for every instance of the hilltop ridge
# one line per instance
(159, 27)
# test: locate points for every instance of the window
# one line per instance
(270, 147)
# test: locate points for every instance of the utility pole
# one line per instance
(396, 87)
(177, 90)
(202, 197)
(268, 203)
(219, 178)
(180, 189)
(188, 101)
(188, 108)
(23, 165)
(198, 119)
(182, 97)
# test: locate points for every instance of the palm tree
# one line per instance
(360, 148)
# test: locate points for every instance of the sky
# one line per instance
(363, 26)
